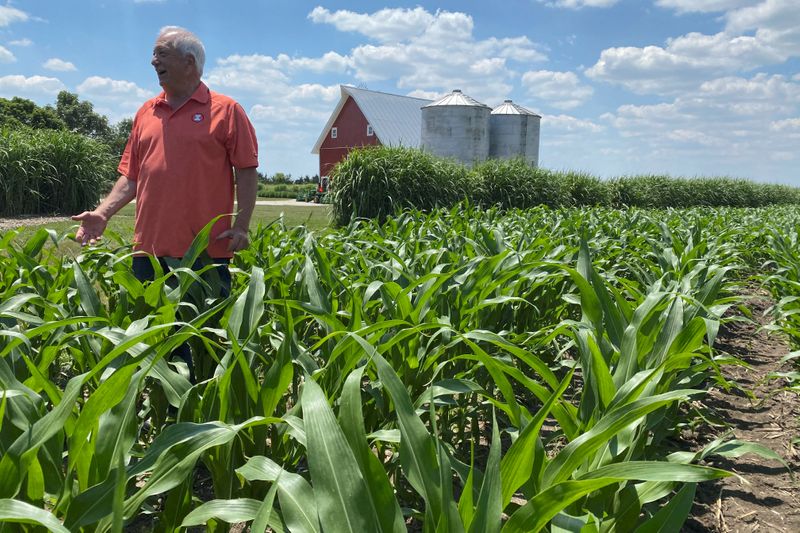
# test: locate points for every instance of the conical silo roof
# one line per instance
(510, 108)
(457, 98)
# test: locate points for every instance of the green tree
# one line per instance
(280, 177)
(80, 117)
(19, 112)
(117, 136)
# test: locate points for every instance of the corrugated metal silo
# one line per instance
(514, 132)
(456, 126)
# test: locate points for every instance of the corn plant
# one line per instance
(459, 370)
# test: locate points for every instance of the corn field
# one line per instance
(460, 370)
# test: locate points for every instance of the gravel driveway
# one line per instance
(17, 222)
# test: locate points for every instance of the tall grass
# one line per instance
(376, 181)
(51, 172)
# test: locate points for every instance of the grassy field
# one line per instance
(312, 217)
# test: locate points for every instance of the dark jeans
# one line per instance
(143, 270)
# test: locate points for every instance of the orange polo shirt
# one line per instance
(182, 162)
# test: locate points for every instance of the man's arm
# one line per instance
(93, 223)
(246, 191)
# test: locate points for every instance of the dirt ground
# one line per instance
(769, 499)
(18, 222)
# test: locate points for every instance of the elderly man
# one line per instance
(185, 148)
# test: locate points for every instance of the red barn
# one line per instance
(363, 118)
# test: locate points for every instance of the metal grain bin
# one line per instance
(456, 126)
(514, 132)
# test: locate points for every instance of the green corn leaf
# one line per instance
(90, 302)
(280, 373)
(265, 512)
(117, 431)
(16, 512)
(614, 421)
(248, 309)
(231, 511)
(671, 516)
(316, 293)
(596, 375)
(466, 504)
(106, 396)
(295, 495)
(540, 509)
(173, 454)
(36, 242)
(490, 497)
(381, 492)
(417, 450)
(341, 493)
(657, 471)
(198, 246)
(517, 465)
(22, 452)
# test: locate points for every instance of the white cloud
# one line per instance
(33, 87)
(385, 25)
(767, 33)
(774, 90)
(6, 56)
(728, 125)
(683, 62)
(775, 22)
(9, 15)
(427, 95)
(562, 90)
(569, 124)
(274, 116)
(21, 42)
(578, 4)
(706, 6)
(437, 55)
(59, 65)
(790, 124)
(266, 75)
(116, 99)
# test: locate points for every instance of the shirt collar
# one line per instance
(200, 95)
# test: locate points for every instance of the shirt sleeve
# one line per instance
(242, 145)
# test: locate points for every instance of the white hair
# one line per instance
(186, 42)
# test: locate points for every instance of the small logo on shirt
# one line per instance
(198, 117)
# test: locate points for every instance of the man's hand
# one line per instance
(239, 239)
(93, 224)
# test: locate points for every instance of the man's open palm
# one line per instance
(92, 227)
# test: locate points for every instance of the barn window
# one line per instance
(370, 133)
(334, 132)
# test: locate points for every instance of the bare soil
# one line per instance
(769, 497)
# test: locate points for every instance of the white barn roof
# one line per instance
(396, 120)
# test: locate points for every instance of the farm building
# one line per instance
(363, 118)
(455, 126)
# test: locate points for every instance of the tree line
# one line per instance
(69, 114)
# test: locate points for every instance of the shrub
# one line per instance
(516, 184)
(51, 172)
(373, 182)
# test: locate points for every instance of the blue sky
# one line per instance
(683, 87)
